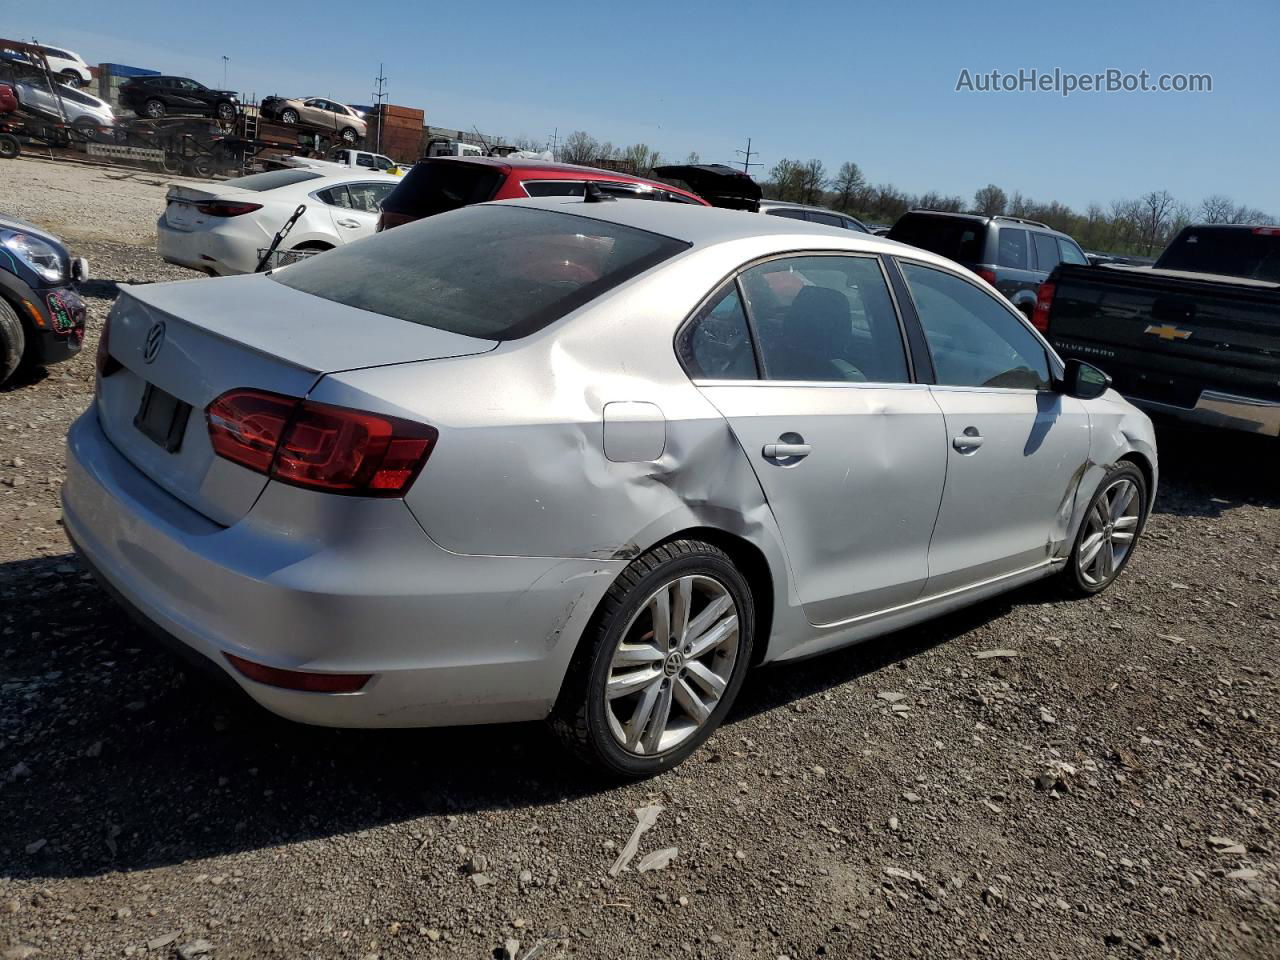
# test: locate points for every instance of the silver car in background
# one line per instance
(584, 460)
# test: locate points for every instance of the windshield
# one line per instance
(957, 238)
(1253, 253)
(271, 180)
(493, 272)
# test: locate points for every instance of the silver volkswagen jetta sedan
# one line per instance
(586, 461)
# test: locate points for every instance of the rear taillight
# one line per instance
(224, 208)
(987, 275)
(1044, 303)
(1267, 231)
(102, 359)
(319, 446)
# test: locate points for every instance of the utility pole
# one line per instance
(379, 94)
(747, 154)
(555, 140)
(225, 61)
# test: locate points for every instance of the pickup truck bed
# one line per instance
(1202, 347)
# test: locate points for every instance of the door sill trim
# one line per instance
(932, 598)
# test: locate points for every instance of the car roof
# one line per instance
(788, 205)
(707, 226)
(552, 170)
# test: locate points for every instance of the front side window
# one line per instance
(830, 219)
(554, 188)
(1071, 253)
(716, 343)
(974, 340)
(1046, 250)
(826, 318)
(1012, 248)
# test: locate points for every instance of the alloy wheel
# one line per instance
(672, 665)
(1110, 530)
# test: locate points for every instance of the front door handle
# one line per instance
(786, 451)
(349, 223)
(969, 441)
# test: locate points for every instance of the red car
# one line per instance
(446, 183)
(8, 102)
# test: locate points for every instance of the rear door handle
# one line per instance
(969, 441)
(786, 451)
(349, 223)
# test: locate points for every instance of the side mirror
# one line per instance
(1083, 380)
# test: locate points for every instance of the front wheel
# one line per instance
(226, 112)
(662, 662)
(153, 109)
(289, 116)
(72, 79)
(9, 146)
(349, 135)
(13, 341)
(1109, 531)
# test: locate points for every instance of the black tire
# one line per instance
(289, 116)
(1073, 580)
(203, 167)
(349, 135)
(72, 79)
(86, 127)
(154, 109)
(10, 149)
(579, 718)
(13, 341)
(225, 111)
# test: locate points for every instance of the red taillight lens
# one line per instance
(224, 208)
(987, 275)
(245, 426)
(299, 679)
(1044, 303)
(318, 446)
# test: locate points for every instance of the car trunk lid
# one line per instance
(719, 185)
(180, 345)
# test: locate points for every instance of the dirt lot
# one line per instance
(1111, 790)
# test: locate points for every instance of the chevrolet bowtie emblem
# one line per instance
(1167, 331)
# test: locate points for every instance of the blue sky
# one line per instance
(869, 82)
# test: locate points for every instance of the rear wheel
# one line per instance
(1108, 533)
(662, 662)
(72, 79)
(9, 146)
(154, 109)
(203, 167)
(13, 341)
(226, 112)
(349, 135)
(289, 116)
(87, 127)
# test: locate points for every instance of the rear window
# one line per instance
(271, 179)
(437, 186)
(493, 272)
(960, 240)
(1230, 251)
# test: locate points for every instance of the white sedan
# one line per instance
(220, 229)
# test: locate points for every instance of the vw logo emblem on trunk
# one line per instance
(155, 340)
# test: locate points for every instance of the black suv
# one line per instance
(153, 97)
(1012, 254)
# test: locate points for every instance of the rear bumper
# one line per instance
(205, 250)
(1225, 410)
(302, 583)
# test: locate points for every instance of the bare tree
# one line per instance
(1155, 216)
(642, 158)
(1019, 206)
(990, 201)
(848, 185)
(813, 181)
(1217, 209)
(693, 159)
(579, 147)
(785, 179)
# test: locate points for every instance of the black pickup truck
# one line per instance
(1195, 336)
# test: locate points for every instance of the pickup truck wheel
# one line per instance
(154, 109)
(13, 342)
(9, 146)
(1108, 533)
(660, 663)
(289, 116)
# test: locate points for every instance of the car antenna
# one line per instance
(594, 194)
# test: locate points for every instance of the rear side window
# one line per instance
(495, 272)
(789, 214)
(272, 180)
(830, 219)
(1231, 251)
(952, 237)
(1011, 249)
(436, 186)
(554, 188)
(716, 344)
(1046, 251)
(1071, 253)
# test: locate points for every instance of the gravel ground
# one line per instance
(1109, 790)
